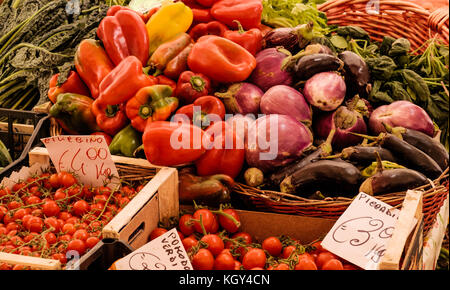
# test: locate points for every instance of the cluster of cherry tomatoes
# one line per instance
(214, 241)
(49, 214)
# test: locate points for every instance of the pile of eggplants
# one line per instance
(327, 92)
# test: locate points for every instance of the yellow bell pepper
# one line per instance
(170, 20)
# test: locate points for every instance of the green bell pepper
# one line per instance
(126, 142)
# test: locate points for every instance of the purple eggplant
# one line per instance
(344, 120)
(401, 114)
(286, 100)
(242, 98)
(325, 91)
(268, 71)
(276, 140)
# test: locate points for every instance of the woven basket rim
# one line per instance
(281, 198)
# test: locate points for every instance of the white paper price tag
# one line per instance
(86, 156)
(361, 233)
(166, 252)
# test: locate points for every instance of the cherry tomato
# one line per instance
(64, 215)
(37, 212)
(52, 222)
(237, 265)
(14, 204)
(68, 229)
(214, 242)
(60, 194)
(12, 226)
(273, 246)
(60, 256)
(254, 258)
(91, 242)
(305, 264)
(332, 264)
(281, 266)
(77, 245)
(226, 223)
(33, 200)
(20, 213)
(208, 219)
(66, 179)
(185, 225)
(3, 211)
(203, 260)
(50, 238)
(287, 251)
(81, 234)
(54, 180)
(80, 207)
(157, 232)
(35, 224)
(100, 198)
(50, 208)
(324, 257)
(224, 261)
(189, 242)
(4, 191)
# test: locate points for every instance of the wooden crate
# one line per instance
(156, 202)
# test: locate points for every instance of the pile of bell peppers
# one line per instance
(149, 79)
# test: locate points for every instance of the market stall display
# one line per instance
(270, 105)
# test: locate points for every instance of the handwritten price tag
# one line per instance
(166, 252)
(86, 156)
(361, 233)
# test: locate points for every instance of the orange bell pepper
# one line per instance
(153, 103)
(73, 84)
(92, 64)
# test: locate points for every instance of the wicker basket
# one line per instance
(393, 18)
(396, 19)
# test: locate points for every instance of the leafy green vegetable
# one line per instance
(291, 13)
(38, 38)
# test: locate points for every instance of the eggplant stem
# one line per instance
(380, 167)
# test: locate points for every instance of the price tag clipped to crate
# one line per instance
(362, 232)
(166, 252)
(86, 156)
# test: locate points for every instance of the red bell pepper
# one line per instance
(116, 8)
(247, 12)
(153, 103)
(201, 15)
(163, 80)
(221, 59)
(210, 28)
(110, 118)
(171, 143)
(124, 34)
(251, 39)
(124, 81)
(73, 84)
(206, 3)
(92, 64)
(225, 152)
(191, 86)
(203, 112)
